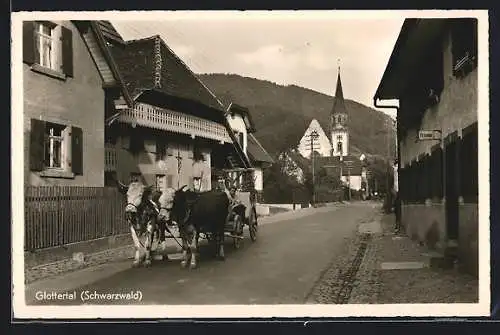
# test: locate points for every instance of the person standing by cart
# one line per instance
(198, 170)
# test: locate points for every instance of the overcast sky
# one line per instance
(302, 50)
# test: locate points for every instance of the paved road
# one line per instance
(281, 267)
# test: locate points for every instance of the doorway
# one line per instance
(452, 185)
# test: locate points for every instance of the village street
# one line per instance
(281, 267)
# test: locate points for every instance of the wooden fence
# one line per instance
(59, 215)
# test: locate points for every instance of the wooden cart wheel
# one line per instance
(238, 222)
(252, 225)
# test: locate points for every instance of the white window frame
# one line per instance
(55, 46)
(49, 141)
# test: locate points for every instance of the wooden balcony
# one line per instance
(110, 158)
(159, 118)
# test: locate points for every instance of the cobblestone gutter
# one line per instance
(336, 284)
(356, 277)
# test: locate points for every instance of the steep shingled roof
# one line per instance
(149, 63)
(339, 103)
(109, 32)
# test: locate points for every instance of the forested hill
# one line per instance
(283, 113)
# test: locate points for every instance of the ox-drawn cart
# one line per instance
(240, 184)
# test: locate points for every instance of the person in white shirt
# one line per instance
(198, 171)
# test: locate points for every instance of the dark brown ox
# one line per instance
(196, 213)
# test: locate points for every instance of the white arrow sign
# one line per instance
(424, 135)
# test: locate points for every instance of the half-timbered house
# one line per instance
(175, 118)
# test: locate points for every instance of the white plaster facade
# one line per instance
(340, 135)
(238, 126)
(355, 183)
(258, 179)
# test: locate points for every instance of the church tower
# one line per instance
(338, 123)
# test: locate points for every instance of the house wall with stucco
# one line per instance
(77, 101)
(456, 109)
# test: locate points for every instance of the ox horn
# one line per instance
(182, 188)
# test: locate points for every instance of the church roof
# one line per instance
(338, 102)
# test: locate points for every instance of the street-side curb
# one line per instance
(296, 214)
(70, 265)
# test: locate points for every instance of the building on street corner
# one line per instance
(432, 72)
(68, 74)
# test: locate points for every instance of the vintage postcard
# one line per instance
(250, 164)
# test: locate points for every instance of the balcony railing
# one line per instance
(159, 118)
(109, 158)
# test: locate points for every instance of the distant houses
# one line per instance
(332, 152)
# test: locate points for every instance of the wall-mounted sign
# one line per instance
(425, 135)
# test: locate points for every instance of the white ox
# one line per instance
(147, 218)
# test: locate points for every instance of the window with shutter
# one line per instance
(413, 181)
(160, 149)
(67, 51)
(110, 178)
(55, 149)
(169, 149)
(136, 141)
(48, 48)
(77, 150)
(37, 140)
(190, 151)
(29, 55)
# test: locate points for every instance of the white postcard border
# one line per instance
(21, 310)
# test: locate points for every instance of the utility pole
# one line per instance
(313, 136)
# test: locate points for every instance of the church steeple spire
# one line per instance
(339, 103)
(339, 131)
